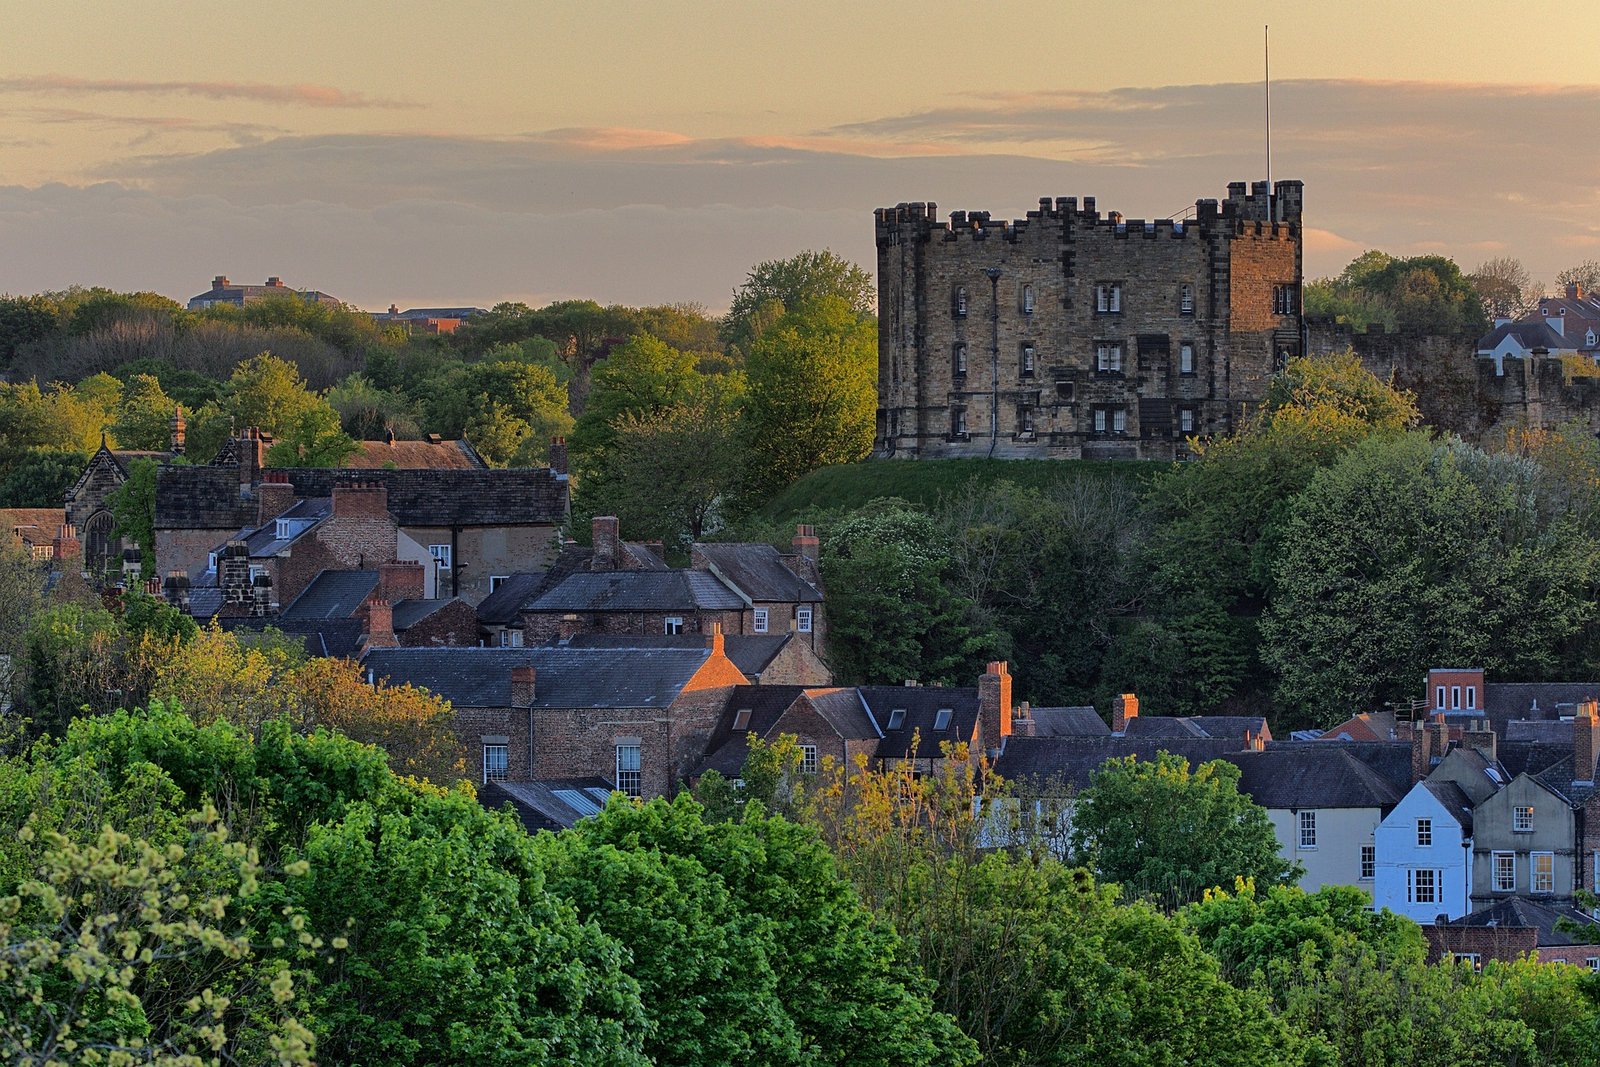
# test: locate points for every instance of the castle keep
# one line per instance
(1074, 335)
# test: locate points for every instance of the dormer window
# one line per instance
(897, 718)
(285, 530)
(211, 561)
(941, 719)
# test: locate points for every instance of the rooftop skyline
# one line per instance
(644, 153)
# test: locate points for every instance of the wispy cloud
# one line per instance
(298, 94)
(149, 125)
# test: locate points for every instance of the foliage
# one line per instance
(144, 415)
(40, 478)
(1168, 833)
(133, 512)
(777, 287)
(1506, 288)
(268, 393)
(509, 410)
(1422, 294)
(1585, 274)
(639, 378)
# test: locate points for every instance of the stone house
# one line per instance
(638, 718)
(782, 591)
(765, 659)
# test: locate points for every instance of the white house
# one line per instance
(1423, 854)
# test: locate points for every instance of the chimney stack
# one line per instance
(606, 534)
(1123, 710)
(1023, 725)
(219, 282)
(1479, 735)
(66, 544)
(522, 687)
(558, 455)
(805, 542)
(1254, 742)
(1585, 734)
(361, 500)
(176, 427)
(274, 496)
(380, 625)
(176, 590)
(994, 707)
(400, 579)
(252, 455)
(275, 282)
(715, 641)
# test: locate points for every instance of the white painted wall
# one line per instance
(1336, 859)
(1398, 852)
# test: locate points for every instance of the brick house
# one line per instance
(1509, 929)
(223, 291)
(471, 526)
(638, 718)
(782, 591)
(765, 659)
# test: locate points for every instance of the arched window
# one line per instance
(1186, 300)
(958, 359)
(100, 549)
(960, 303)
(1027, 300)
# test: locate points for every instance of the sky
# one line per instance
(430, 154)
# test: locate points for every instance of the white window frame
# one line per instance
(1503, 872)
(1185, 358)
(1308, 829)
(1592, 962)
(441, 556)
(1027, 300)
(211, 561)
(1369, 862)
(1473, 959)
(1099, 420)
(1472, 697)
(1455, 698)
(1522, 819)
(1414, 879)
(958, 422)
(1542, 883)
(1108, 357)
(496, 579)
(758, 620)
(1438, 698)
(1424, 833)
(281, 529)
(672, 625)
(1186, 420)
(630, 770)
(808, 759)
(1108, 297)
(802, 620)
(1119, 420)
(497, 769)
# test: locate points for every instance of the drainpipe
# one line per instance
(1466, 876)
(994, 358)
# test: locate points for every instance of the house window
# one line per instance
(1422, 886)
(673, 625)
(1503, 868)
(1186, 358)
(1108, 358)
(1472, 697)
(1543, 877)
(1592, 962)
(441, 556)
(496, 579)
(282, 529)
(1186, 300)
(808, 759)
(628, 770)
(1108, 297)
(802, 620)
(1369, 862)
(958, 359)
(211, 561)
(941, 719)
(1186, 420)
(494, 763)
(1522, 820)
(741, 719)
(510, 638)
(1471, 959)
(1455, 696)
(759, 623)
(1027, 361)
(958, 422)
(960, 302)
(1110, 420)
(1438, 697)
(1027, 300)
(1283, 299)
(897, 718)
(1424, 833)
(1308, 829)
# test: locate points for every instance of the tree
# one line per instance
(268, 393)
(1166, 832)
(315, 439)
(411, 726)
(1422, 294)
(133, 512)
(508, 410)
(40, 478)
(24, 320)
(813, 394)
(780, 286)
(1506, 288)
(1585, 274)
(144, 417)
(640, 377)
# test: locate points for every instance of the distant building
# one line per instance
(223, 291)
(426, 320)
(1567, 325)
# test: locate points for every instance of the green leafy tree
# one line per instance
(24, 320)
(366, 411)
(508, 410)
(268, 393)
(40, 478)
(144, 416)
(813, 394)
(639, 378)
(778, 286)
(133, 512)
(315, 439)
(1424, 294)
(1169, 833)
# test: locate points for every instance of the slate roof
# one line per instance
(727, 748)
(504, 606)
(328, 638)
(333, 595)
(1068, 722)
(415, 455)
(1069, 761)
(1528, 336)
(407, 613)
(1548, 731)
(1558, 779)
(1504, 701)
(564, 678)
(921, 704)
(758, 572)
(751, 653)
(844, 710)
(1390, 760)
(1454, 800)
(1532, 757)
(1228, 726)
(675, 590)
(208, 497)
(263, 541)
(550, 804)
(1311, 775)
(1514, 912)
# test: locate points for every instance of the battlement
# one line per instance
(1269, 207)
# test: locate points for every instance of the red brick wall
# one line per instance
(1489, 942)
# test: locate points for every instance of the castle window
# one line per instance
(1110, 420)
(1108, 297)
(1186, 420)
(1025, 421)
(958, 422)
(1283, 299)
(1186, 300)
(1186, 358)
(959, 304)
(1108, 358)
(1027, 300)
(958, 359)
(1027, 360)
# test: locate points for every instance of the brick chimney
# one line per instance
(607, 537)
(361, 500)
(1254, 742)
(522, 689)
(1574, 291)
(1585, 738)
(275, 282)
(219, 282)
(65, 545)
(1123, 709)
(715, 641)
(1023, 724)
(1479, 736)
(994, 707)
(252, 453)
(274, 495)
(380, 624)
(805, 542)
(176, 590)
(558, 454)
(400, 579)
(1430, 740)
(1441, 735)
(176, 427)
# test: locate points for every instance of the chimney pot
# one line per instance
(715, 642)
(380, 625)
(1125, 709)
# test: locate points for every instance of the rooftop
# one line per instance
(564, 677)
(675, 590)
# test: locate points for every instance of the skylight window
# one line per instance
(741, 719)
(897, 718)
(941, 719)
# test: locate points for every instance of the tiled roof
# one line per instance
(1528, 335)
(1515, 912)
(1070, 761)
(329, 638)
(333, 595)
(1220, 726)
(677, 590)
(921, 705)
(209, 497)
(1453, 800)
(415, 455)
(1549, 731)
(1068, 722)
(504, 606)
(757, 570)
(751, 653)
(842, 708)
(263, 541)
(1311, 775)
(564, 677)
(1532, 757)
(551, 804)
(36, 525)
